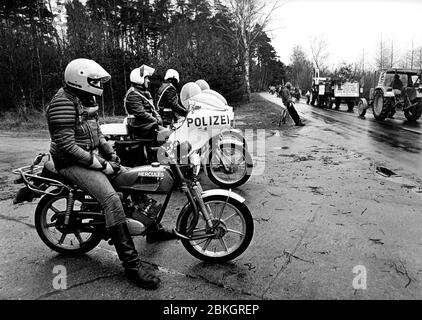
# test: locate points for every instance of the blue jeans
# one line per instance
(97, 184)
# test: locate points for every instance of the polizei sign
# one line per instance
(212, 120)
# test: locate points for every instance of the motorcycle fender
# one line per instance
(230, 141)
(238, 131)
(209, 193)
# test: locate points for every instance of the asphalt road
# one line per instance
(397, 139)
(322, 213)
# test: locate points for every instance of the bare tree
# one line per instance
(383, 56)
(419, 57)
(319, 51)
(300, 70)
(250, 20)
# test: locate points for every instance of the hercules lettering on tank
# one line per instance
(146, 178)
(209, 121)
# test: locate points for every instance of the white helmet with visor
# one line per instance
(172, 74)
(138, 75)
(86, 75)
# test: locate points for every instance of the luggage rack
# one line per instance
(30, 176)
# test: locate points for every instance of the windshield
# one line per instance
(407, 80)
(389, 79)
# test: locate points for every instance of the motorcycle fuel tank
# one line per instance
(153, 178)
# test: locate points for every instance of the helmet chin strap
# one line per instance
(90, 107)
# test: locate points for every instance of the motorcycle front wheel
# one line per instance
(49, 220)
(230, 166)
(231, 233)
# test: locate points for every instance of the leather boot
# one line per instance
(135, 270)
(159, 233)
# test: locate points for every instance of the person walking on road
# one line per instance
(288, 102)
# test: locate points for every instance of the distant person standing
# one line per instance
(288, 102)
(308, 97)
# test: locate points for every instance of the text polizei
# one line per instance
(209, 121)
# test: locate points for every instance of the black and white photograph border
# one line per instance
(293, 120)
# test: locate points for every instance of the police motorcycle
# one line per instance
(213, 225)
(208, 129)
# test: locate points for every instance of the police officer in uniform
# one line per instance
(168, 100)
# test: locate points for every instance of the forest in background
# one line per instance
(39, 37)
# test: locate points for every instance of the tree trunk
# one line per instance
(41, 78)
(246, 64)
(112, 98)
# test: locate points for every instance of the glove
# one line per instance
(96, 164)
(108, 169)
(115, 158)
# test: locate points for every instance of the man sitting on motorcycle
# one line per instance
(145, 122)
(168, 102)
(82, 155)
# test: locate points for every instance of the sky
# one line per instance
(351, 29)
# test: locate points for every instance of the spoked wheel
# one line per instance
(231, 233)
(80, 237)
(230, 166)
(230, 134)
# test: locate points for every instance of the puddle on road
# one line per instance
(389, 175)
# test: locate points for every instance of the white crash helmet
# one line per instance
(86, 75)
(138, 75)
(216, 94)
(188, 91)
(203, 84)
(171, 73)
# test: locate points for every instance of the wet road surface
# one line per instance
(396, 139)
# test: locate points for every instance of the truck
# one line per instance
(347, 92)
(321, 91)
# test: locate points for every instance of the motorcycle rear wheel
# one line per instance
(48, 215)
(233, 225)
(235, 174)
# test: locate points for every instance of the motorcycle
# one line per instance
(223, 150)
(213, 225)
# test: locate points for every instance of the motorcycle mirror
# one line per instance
(38, 159)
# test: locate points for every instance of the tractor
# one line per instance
(396, 89)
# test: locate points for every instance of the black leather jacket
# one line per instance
(168, 103)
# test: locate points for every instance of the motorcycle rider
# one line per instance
(82, 155)
(288, 102)
(145, 122)
(168, 102)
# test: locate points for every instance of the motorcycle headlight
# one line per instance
(195, 161)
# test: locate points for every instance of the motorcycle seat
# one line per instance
(50, 172)
(137, 139)
(133, 143)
